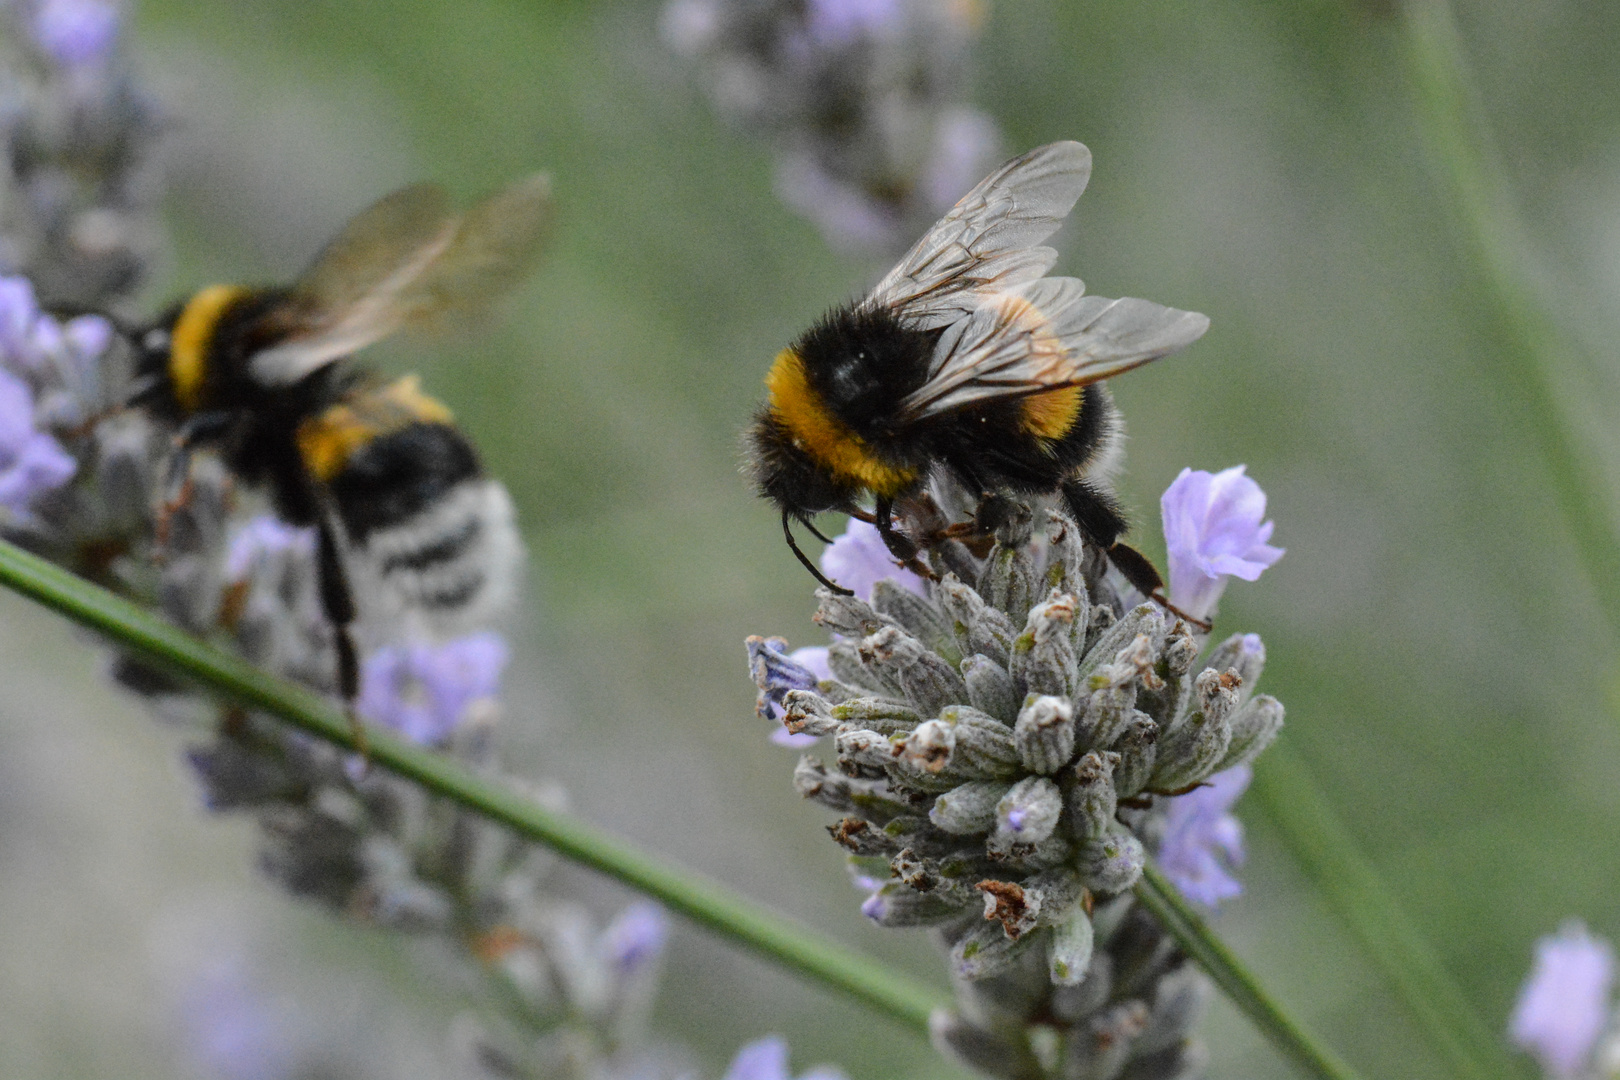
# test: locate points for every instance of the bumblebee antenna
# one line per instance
(787, 531)
(815, 532)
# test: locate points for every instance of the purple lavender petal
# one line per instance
(839, 22)
(966, 144)
(848, 218)
(77, 32)
(31, 462)
(636, 938)
(1201, 839)
(263, 537)
(424, 691)
(764, 1059)
(813, 658)
(1563, 1006)
(858, 559)
(1213, 531)
(19, 311)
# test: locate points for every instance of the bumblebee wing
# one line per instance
(988, 241)
(406, 260)
(1046, 336)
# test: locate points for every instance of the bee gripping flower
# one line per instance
(1564, 1006)
(858, 559)
(1213, 531)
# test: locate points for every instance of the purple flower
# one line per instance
(263, 538)
(424, 691)
(76, 32)
(1213, 530)
(849, 218)
(767, 1059)
(1201, 838)
(232, 1030)
(1564, 1004)
(31, 462)
(636, 938)
(858, 559)
(966, 144)
(839, 22)
(775, 673)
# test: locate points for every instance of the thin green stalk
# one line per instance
(1165, 901)
(699, 898)
(1460, 146)
(1330, 858)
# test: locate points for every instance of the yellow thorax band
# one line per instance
(188, 343)
(822, 436)
(326, 442)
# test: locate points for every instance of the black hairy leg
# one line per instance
(337, 602)
(815, 571)
(1102, 522)
(899, 545)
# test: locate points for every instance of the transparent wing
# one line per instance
(406, 260)
(1046, 336)
(988, 242)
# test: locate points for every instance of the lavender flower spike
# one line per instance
(858, 559)
(31, 462)
(767, 1059)
(1564, 1004)
(425, 691)
(1213, 531)
(1202, 838)
(776, 672)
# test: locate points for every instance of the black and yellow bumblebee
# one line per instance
(412, 536)
(967, 360)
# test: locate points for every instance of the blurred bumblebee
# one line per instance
(966, 360)
(411, 535)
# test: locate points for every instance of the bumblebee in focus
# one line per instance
(966, 360)
(412, 535)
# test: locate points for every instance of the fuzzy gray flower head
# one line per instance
(1010, 742)
(862, 100)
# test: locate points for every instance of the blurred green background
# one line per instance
(1448, 678)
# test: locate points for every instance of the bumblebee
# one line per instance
(412, 536)
(966, 360)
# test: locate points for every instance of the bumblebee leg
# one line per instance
(337, 601)
(815, 572)
(899, 545)
(196, 429)
(815, 532)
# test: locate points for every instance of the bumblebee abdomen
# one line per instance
(428, 535)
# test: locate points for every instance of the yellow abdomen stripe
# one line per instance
(1051, 415)
(823, 437)
(188, 343)
(327, 441)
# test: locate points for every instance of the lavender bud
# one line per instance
(847, 615)
(1218, 692)
(983, 951)
(984, 745)
(1044, 734)
(1043, 655)
(1178, 1001)
(979, 627)
(982, 1050)
(919, 618)
(1109, 712)
(1068, 954)
(867, 753)
(928, 681)
(1076, 1001)
(1144, 619)
(969, 809)
(1253, 728)
(1091, 800)
(1026, 815)
(989, 688)
(845, 794)
(1044, 900)
(1111, 864)
(1137, 747)
(1008, 579)
(1242, 654)
(1193, 750)
(1180, 652)
(878, 714)
(844, 661)
(897, 904)
(805, 712)
(1100, 1050)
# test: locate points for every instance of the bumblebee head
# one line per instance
(151, 344)
(784, 472)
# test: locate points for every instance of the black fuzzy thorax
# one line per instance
(862, 361)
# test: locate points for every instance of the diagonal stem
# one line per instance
(1210, 953)
(699, 898)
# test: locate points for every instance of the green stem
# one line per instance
(1329, 857)
(1536, 351)
(699, 898)
(1165, 901)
